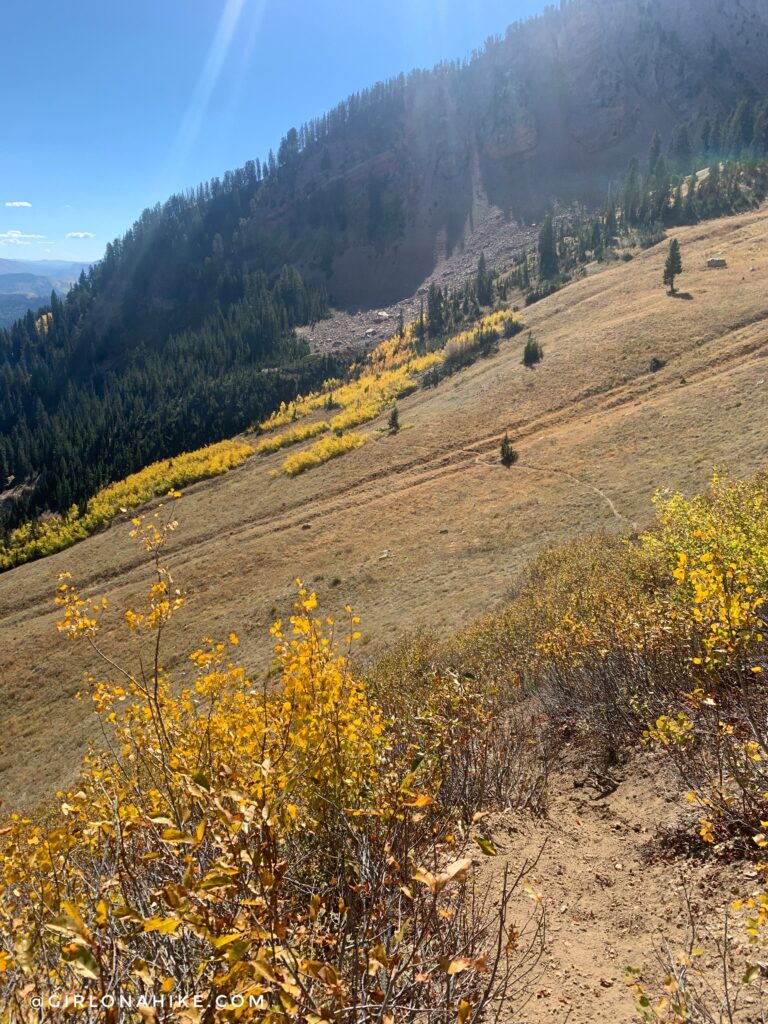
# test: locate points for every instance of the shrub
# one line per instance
(542, 292)
(648, 236)
(533, 352)
(432, 377)
(354, 415)
(274, 443)
(512, 327)
(56, 532)
(282, 854)
(322, 451)
(716, 549)
(460, 351)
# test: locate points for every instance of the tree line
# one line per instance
(726, 173)
(87, 395)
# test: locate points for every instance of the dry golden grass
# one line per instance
(425, 528)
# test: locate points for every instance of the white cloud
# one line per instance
(18, 202)
(14, 237)
(81, 234)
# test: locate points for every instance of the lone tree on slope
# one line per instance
(508, 454)
(673, 266)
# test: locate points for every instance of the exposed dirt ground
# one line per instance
(611, 901)
(425, 528)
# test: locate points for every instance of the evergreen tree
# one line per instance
(483, 282)
(548, 261)
(508, 454)
(681, 149)
(610, 221)
(631, 194)
(525, 277)
(673, 266)
(654, 154)
(706, 136)
(394, 420)
(421, 325)
(435, 320)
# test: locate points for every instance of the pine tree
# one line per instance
(677, 205)
(548, 262)
(435, 324)
(525, 277)
(483, 282)
(681, 148)
(508, 454)
(631, 196)
(673, 266)
(610, 221)
(706, 136)
(421, 324)
(394, 420)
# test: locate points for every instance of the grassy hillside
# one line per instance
(419, 822)
(407, 523)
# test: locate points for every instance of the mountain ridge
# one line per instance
(28, 283)
(365, 203)
(553, 109)
(69, 269)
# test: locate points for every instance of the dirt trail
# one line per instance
(607, 902)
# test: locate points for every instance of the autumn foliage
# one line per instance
(390, 372)
(281, 852)
(306, 849)
(55, 532)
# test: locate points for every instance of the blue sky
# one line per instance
(112, 105)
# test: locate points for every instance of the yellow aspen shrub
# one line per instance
(260, 849)
(56, 532)
(715, 549)
(274, 443)
(322, 451)
(354, 415)
(716, 546)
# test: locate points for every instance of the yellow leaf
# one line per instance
(163, 925)
(455, 966)
(464, 1011)
(486, 846)
(422, 800)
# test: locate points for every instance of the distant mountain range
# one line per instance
(25, 284)
(58, 269)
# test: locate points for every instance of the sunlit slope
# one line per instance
(425, 528)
